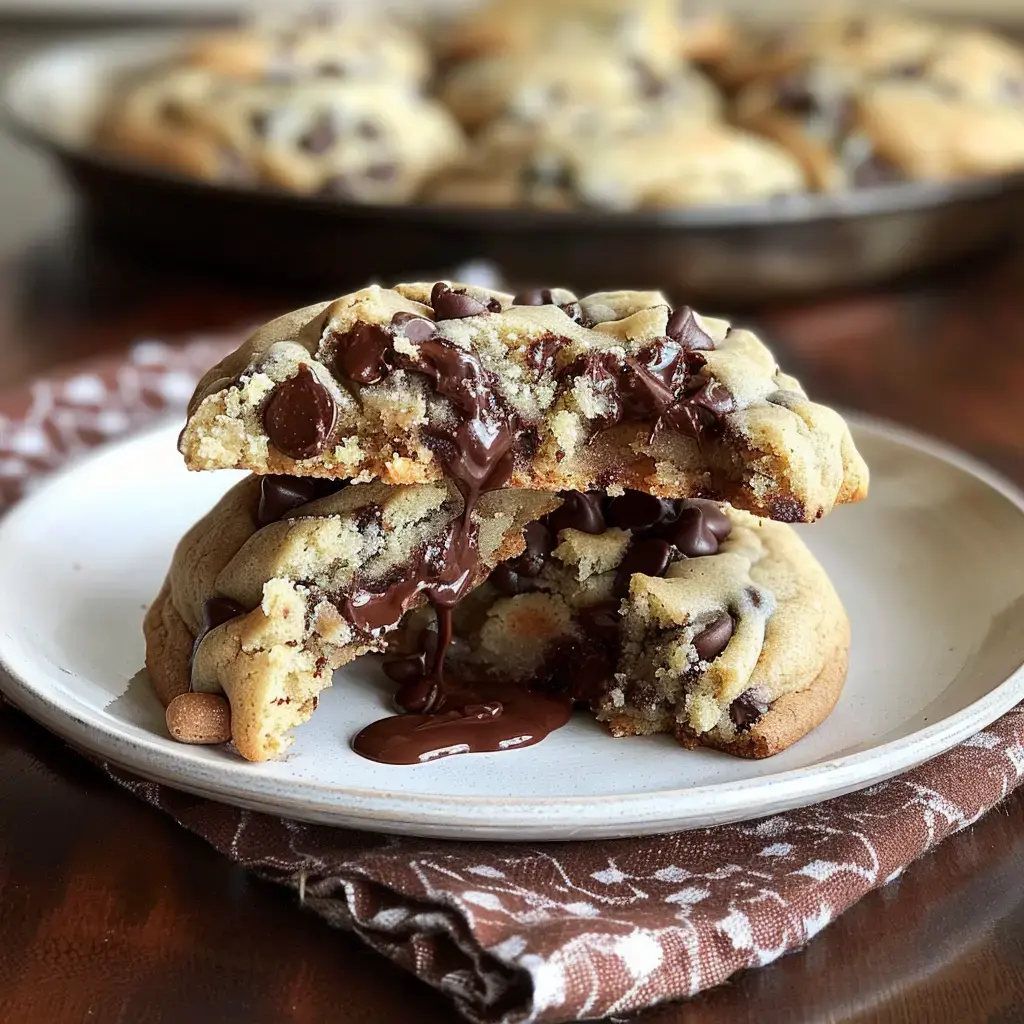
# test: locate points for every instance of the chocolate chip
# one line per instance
(539, 544)
(382, 172)
(873, 170)
(534, 297)
(636, 510)
(216, 611)
(363, 354)
(259, 121)
(716, 520)
(682, 326)
(320, 137)
(340, 186)
(332, 69)
(453, 305)
(507, 580)
(367, 129)
(299, 415)
(493, 305)
(414, 327)
(578, 511)
(746, 711)
(650, 557)
(692, 534)
(711, 641)
(279, 495)
(540, 356)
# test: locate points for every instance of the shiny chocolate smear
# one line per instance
(473, 719)
(299, 415)
(579, 511)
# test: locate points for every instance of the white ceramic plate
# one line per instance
(931, 569)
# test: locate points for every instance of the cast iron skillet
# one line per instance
(727, 255)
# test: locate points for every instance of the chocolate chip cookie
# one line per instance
(661, 616)
(322, 44)
(544, 390)
(370, 141)
(287, 579)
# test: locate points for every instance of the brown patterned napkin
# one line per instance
(546, 932)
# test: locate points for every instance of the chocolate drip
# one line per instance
(661, 383)
(481, 718)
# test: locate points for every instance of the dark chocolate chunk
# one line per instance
(453, 305)
(578, 511)
(416, 328)
(320, 136)
(539, 544)
(712, 640)
(299, 415)
(649, 557)
(363, 354)
(382, 172)
(507, 580)
(683, 327)
(746, 711)
(636, 510)
(534, 297)
(540, 356)
(698, 528)
(493, 305)
(279, 495)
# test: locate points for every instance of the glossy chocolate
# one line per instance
(714, 638)
(299, 415)
(468, 719)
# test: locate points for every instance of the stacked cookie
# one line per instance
(530, 502)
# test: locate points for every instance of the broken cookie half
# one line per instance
(285, 580)
(661, 616)
(612, 390)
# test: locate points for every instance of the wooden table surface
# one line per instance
(109, 912)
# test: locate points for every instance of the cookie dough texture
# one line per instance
(778, 453)
(785, 661)
(288, 580)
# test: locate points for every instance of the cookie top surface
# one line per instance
(322, 45)
(412, 383)
(370, 140)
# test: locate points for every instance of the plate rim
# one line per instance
(386, 808)
(802, 208)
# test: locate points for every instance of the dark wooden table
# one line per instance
(109, 912)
